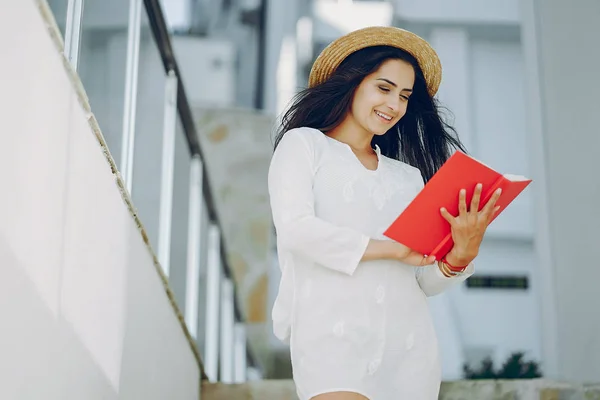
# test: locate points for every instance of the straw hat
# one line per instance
(333, 55)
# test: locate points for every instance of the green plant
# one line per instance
(515, 367)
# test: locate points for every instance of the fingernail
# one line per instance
(499, 191)
(442, 209)
(479, 185)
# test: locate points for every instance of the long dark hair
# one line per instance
(421, 138)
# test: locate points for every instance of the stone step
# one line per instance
(535, 389)
(281, 389)
(519, 389)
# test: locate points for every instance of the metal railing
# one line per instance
(225, 354)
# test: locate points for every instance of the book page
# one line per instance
(515, 178)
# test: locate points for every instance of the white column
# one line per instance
(213, 286)
(452, 46)
(192, 279)
(239, 350)
(227, 331)
(73, 31)
(131, 84)
(562, 58)
(281, 23)
(166, 181)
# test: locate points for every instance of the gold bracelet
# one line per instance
(448, 273)
(445, 270)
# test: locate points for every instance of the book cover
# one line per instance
(421, 226)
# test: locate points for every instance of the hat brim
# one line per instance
(337, 51)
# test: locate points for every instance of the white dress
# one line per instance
(363, 327)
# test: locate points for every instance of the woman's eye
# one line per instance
(405, 98)
(384, 89)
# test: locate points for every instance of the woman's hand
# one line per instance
(391, 250)
(469, 226)
(411, 257)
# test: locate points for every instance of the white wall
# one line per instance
(499, 116)
(207, 67)
(458, 11)
(483, 86)
(85, 314)
(178, 13)
(562, 61)
(504, 320)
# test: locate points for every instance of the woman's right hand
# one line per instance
(388, 249)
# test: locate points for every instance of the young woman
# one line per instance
(353, 150)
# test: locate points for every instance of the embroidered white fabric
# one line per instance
(353, 326)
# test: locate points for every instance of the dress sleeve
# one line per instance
(431, 280)
(291, 175)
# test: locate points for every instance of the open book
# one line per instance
(421, 226)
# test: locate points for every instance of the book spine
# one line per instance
(445, 245)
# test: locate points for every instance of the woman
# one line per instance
(353, 150)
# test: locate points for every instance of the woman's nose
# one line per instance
(394, 105)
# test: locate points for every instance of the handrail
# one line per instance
(162, 39)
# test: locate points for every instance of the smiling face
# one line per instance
(381, 99)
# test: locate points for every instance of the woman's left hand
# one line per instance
(469, 226)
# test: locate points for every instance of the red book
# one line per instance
(421, 226)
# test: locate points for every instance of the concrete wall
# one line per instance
(85, 312)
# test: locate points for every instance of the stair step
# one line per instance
(535, 389)
(280, 389)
